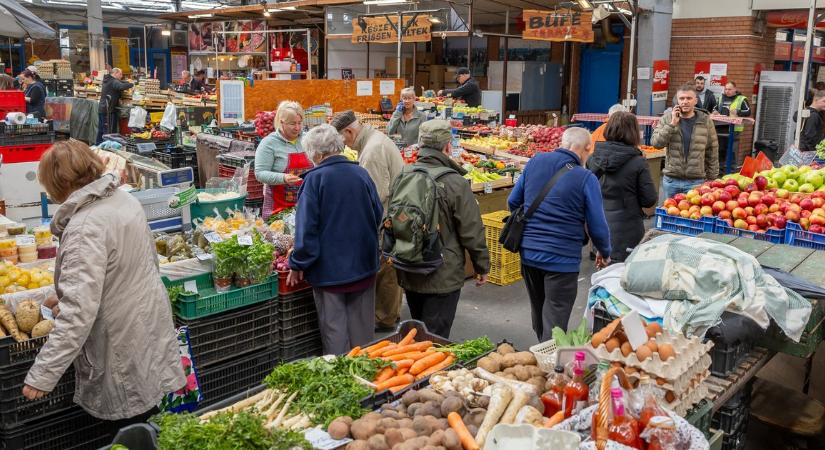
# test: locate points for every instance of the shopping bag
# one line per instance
(187, 397)
(169, 119)
(137, 117)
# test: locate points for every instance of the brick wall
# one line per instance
(728, 40)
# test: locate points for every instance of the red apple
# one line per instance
(818, 211)
(762, 221)
(749, 210)
(679, 197)
(684, 213)
(780, 222)
(739, 213)
(807, 204)
(805, 214)
(695, 215)
(817, 219)
(717, 184)
(724, 214)
(672, 211)
(773, 208)
(725, 196)
(743, 202)
(706, 211)
(814, 228)
(792, 216)
(668, 203)
(693, 209)
(768, 199)
(819, 194)
(703, 190)
(760, 182)
(804, 223)
(729, 222)
(718, 206)
(683, 205)
(695, 200)
(751, 220)
(760, 208)
(716, 194)
(796, 198)
(732, 182)
(754, 200)
(730, 205)
(741, 224)
(732, 189)
(795, 207)
(707, 199)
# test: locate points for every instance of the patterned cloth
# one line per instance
(704, 278)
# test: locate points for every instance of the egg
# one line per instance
(650, 330)
(653, 346)
(598, 339)
(612, 344)
(670, 397)
(666, 352)
(661, 381)
(626, 348)
(643, 352)
(655, 327)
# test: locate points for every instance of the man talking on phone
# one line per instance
(689, 135)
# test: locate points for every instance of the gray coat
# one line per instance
(115, 322)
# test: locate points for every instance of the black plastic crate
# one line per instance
(27, 139)
(237, 159)
(300, 326)
(217, 338)
(15, 354)
(300, 348)
(736, 440)
(295, 299)
(26, 129)
(733, 415)
(16, 409)
(225, 380)
(601, 318)
(73, 430)
(294, 310)
(725, 358)
(177, 158)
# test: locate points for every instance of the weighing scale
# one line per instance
(158, 183)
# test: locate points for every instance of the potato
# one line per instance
(405, 423)
(373, 416)
(432, 447)
(508, 376)
(413, 408)
(338, 429)
(429, 409)
(534, 371)
(489, 364)
(392, 414)
(472, 429)
(526, 358)
(408, 434)
(410, 397)
(451, 404)
(378, 442)
(27, 315)
(362, 429)
(521, 373)
(393, 437)
(451, 441)
(439, 424)
(508, 360)
(386, 424)
(505, 348)
(43, 328)
(358, 445)
(429, 395)
(475, 416)
(422, 426)
(437, 438)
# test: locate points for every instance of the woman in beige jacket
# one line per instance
(114, 320)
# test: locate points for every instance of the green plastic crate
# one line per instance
(774, 339)
(201, 210)
(700, 416)
(208, 302)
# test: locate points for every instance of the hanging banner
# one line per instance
(240, 36)
(716, 75)
(120, 54)
(790, 18)
(562, 25)
(661, 79)
(201, 38)
(379, 30)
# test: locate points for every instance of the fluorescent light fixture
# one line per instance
(272, 10)
(201, 16)
(384, 2)
(289, 8)
(435, 20)
(585, 4)
(166, 32)
(267, 13)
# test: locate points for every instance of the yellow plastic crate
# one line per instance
(492, 230)
(503, 275)
(495, 219)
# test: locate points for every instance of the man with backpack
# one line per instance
(432, 218)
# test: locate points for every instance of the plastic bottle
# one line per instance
(576, 391)
(622, 428)
(661, 434)
(553, 399)
(650, 407)
(601, 371)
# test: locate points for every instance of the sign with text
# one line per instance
(562, 25)
(661, 79)
(716, 75)
(382, 30)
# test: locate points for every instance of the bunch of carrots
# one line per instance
(411, 360)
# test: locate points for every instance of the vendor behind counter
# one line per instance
(467, 90)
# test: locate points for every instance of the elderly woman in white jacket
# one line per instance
(115, 321)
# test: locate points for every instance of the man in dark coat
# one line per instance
(467, 91)
(113, 87)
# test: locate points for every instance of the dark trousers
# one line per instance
(437, 311)
(722, 137)
(106, 124)
(552, 295)
(141, 418)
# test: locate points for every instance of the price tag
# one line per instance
(482, 157)
(321, 440)
(46, 313)
(488, 188)
(24, 239)
(245, 240)
(204, 256)
(408, 153)
(147, 147)
(190, 286)
(456, 153)
(213, 237)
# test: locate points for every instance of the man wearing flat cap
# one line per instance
(467, 91)
(381, 158)
(433, 298)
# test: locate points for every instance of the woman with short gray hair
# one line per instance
(336, 242)
(407, 118)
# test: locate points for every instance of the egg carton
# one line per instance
(680, 385)
(684, 404)
(688, 351)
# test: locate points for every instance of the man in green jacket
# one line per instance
(733, 104)
(433, 298)
(692, 149)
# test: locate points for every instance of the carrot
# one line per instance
(418, 346)
(354, 351)
(440, 366)
(395, 389)
(403, 370)
(395, 381)
(554, 420)
(380, 351)
(408, 339)
(404, 364)
(415, 356)
(375, 347)
(429, 361)
(384, 374)
(467, 440)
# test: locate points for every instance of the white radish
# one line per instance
(277, 422)
(273, 410)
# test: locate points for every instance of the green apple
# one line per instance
(804, 169)
(766, 173)
(791, 185)
(782, 193)
(744, 182)
(814, 177)
(807, 188)
(780, 177)
(772, 184)
(791, 171)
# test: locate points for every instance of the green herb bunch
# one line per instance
(226, 431)
(259, 258)
(470, 349)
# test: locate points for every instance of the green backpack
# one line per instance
(411, 239)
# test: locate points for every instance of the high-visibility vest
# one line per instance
(734, 106)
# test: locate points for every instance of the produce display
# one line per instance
(264, 123)
(477, 175)
(26, 322)
(172, 248)
(155, 134)
(242, 263)
(225, 431)
(766, 202)
(16, 279)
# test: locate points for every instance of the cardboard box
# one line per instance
(391, 65)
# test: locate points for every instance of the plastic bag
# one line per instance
(169, 119)
(137, 117)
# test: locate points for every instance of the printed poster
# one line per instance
(716, 75)
(380, 30)
(661, 79)
(560, 25)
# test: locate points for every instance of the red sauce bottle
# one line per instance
(554, 398)
(576, 392)
(623, 428)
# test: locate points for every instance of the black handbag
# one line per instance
(513, 229)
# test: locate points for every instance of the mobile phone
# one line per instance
(677, 110)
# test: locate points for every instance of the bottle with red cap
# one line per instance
(576, 392)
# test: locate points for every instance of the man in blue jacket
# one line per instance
(551, 246)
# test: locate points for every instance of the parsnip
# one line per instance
(277, 422)
(520, 399)
(232, 408)
(273, 410)
(500, 397)
(302, 424)
(10, 324)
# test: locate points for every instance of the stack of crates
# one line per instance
(178, 157)
(24, 143)
(229, 162)
(300, 332)
(505, 266)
